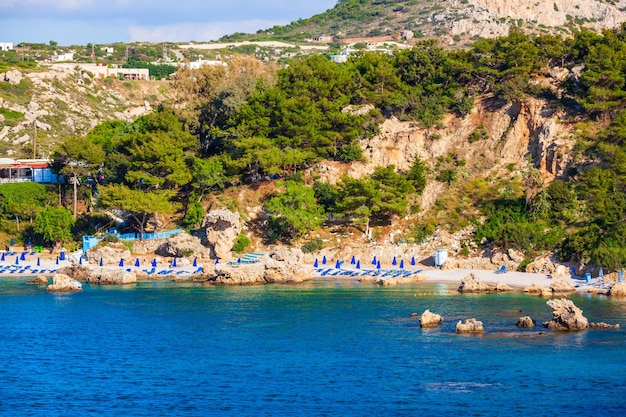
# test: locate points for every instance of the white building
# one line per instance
(6, 46)
(68, 56)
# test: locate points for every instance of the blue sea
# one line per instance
(317, 349)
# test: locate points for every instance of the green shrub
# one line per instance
(241, 242)
(313, 245)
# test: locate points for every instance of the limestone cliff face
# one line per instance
(489, 18)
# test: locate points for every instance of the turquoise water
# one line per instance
(318, 349)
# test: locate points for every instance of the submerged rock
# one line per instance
(603, 325)
(526, 322)
(428, 319)
(470, 326)
(63, 283)
(566, 316)
(471, 284)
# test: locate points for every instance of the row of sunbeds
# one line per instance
(383, 273)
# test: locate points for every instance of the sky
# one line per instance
(79, 22)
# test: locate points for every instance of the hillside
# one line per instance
(452, 21)
(52, 102)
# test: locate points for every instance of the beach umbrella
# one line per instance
(137, 264)
(394, 262)
(378, 265)
(23, 256)
(402, 264)
(238, 260)
(100, 261)
(154, 262)
(195, 262)
(2, 258)
(57, 260)
(324, 260)
(80, 260)
(337, 264)
(30, 242)
(38, 262)
(374, 260)
(315, 265)
(174, 263)
(12, 242)
(122, 262)
(17, 260)
(62, 255)
(413, 261)
(620, 275)
(358, 264)
(601, 272)
(352, 261)
(217, 260)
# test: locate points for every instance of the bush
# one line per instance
(313, 245)
(241, 242)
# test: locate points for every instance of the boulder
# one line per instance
(501, 287)
(471, 284)
(603, 325)
(428, 319)
(538, 289)
(618, 290)
(63, 283)
(39, 280)
(183, 245)
(75, 271)
(560, 271)
(562, 286)
(103, 276)
(243, 274)
(13, 77)
(566, 316)
(220, 228)
(470, 326)
(515, 255)
(526, 322)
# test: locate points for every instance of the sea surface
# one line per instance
(318, 349)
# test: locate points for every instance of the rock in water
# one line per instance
(471, 283)
(429, 319)
(63, 283)
(526, 322)
(470, 326)
(40, 280)
(603, 325)
(566, 316)
(618, 290)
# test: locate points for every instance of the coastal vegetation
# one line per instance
(252, 126)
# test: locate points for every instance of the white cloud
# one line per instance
(182, 32)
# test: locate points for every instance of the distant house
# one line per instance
(6, 46)
(201, 63)
(323, 39)
(26, 170)
(113, 70)
(108, 49)
(68, 56)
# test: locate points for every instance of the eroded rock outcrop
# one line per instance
(428, 319)
(220, 228)
(526, 322)
(471, 284)
(566, 316)
(603, 325)
(469, 326)
(63, 283)
(103, 276)
(562, 286)
(75, 271)
(109, 254)
(244, 274)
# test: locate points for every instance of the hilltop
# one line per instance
(450, 21)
